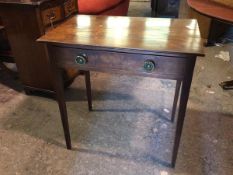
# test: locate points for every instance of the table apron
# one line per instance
(166, 67)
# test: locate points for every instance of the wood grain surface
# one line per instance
(212, 9)
(134, 33)
(228, 3)
(126, 63)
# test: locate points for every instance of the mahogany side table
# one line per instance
(149, 47)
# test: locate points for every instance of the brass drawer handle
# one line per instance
(81, 59)
(149, 65)
(51, 16)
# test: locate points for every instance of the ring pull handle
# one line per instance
(81, 59)
(149, 65)
(51, 16)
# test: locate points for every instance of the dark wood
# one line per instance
(88, 89)
(186, 84)
(118, 62)
(5, 54)
(24, 22)
(165, 8)
(171, 45)
(217, 30)
(176, 97)
(58, 87)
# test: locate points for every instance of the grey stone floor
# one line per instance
(128, 132)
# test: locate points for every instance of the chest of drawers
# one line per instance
(25, 21)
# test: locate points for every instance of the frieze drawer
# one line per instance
(150, 65)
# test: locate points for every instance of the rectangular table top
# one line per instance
(134, 33)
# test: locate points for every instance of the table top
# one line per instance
(1, 27)
(131, 33)
(212, 9)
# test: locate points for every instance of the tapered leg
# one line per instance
(59, 92)
(88, 89)
(59, 89)
(64, 119)
(186, 83)
(177, 90)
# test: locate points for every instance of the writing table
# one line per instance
(149, 47)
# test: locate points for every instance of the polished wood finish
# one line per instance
(130, 63)
(186, 84)
(53, 14)
(228, 3)
(124, 45)
(176, 97)
(212, 9)
(130, 34)
(25, 21)
(59, 92)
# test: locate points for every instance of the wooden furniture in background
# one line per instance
(25, 21)
(5, 53)
(203, 22)
(150, 47)
(220, 16)
(165, 8)
(228, 3)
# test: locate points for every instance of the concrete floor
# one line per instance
(128, 132)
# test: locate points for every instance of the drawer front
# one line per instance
(106, 61)
(69, 7)
(53, 14)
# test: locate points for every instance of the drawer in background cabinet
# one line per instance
(70, 7)
(52, 15)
